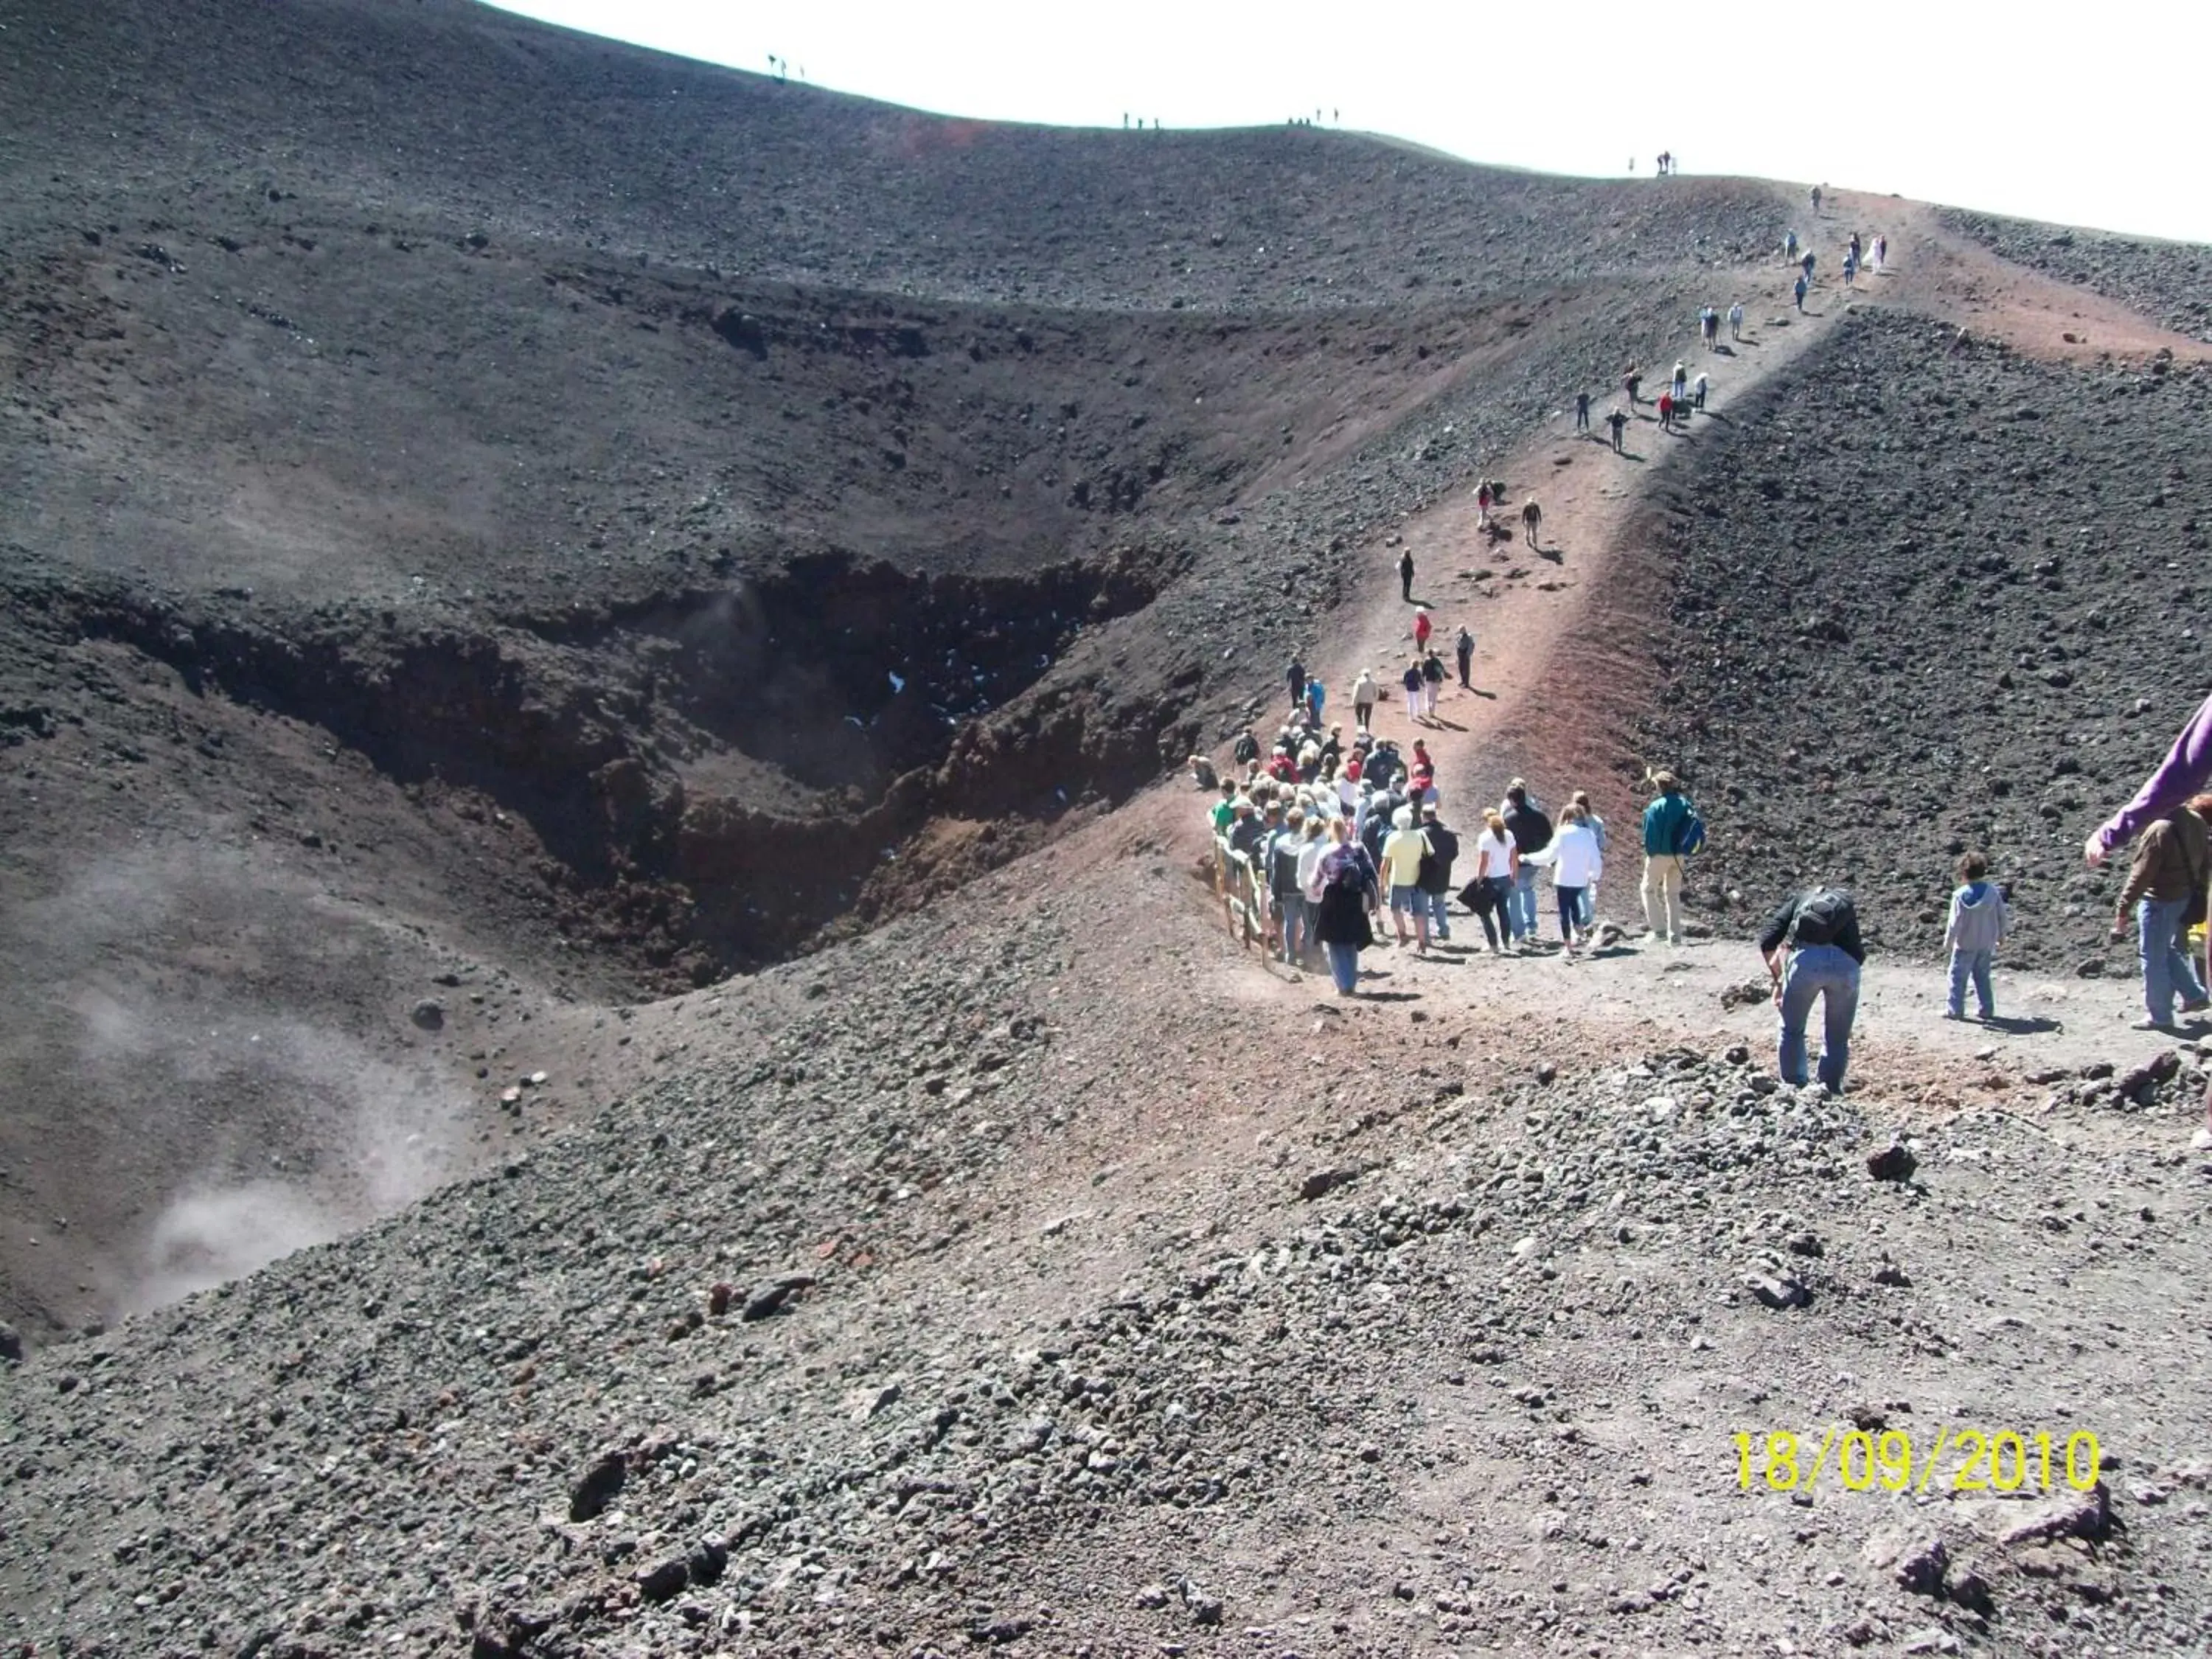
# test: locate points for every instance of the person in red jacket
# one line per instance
(1421, 630)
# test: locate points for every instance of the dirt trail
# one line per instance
(1559, 664)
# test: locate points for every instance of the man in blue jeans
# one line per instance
(1525, 821)
(1812, 949)
(2169, 869)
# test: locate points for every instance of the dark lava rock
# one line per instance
(1322, 1183)
(598, 1487)
(772, 1297)
(666, 1578)
(429, 1014)
(1892, 1164)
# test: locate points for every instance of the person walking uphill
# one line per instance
(1406, 575)
(2165, 890)
(1295, 676)
(1364, 694)
(1465, 648)
(1812, 949)
(1665, 821)
(1976, 928)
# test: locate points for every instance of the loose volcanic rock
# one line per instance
(1893, 1162)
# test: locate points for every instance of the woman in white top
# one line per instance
(1581, 800)
(1495, 858)
(1576, 864)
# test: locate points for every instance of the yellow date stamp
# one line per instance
(1955, 1460)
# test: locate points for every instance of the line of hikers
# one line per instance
(1382, 812)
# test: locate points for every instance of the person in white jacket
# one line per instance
(1576, 864)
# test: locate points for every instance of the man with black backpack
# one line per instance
(1670, 823)
(1812, 947)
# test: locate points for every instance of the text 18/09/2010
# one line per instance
(1979, 1459)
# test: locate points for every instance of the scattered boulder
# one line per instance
(1204, 1609)
(1893, 1162)
(428, 1014)
(1968, 1587)
(1914, 1561)
(598, 1488)
(1778, 1292)
(1322, 1183)
(772, 1297)
(2086, 1514)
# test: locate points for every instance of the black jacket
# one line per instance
(1530, 830)
(1778, 925)
(1436, 869)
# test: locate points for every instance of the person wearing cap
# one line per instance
(1437, 872)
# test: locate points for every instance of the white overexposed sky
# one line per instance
(2080, 115)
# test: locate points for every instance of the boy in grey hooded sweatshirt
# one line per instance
(1977, 926)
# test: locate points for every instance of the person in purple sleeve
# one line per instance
(2185, 770)
(2182, 773)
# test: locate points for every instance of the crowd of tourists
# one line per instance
(1347, 845)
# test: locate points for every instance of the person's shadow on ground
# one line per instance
(2021, 1025)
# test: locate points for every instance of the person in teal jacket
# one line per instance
(1662, 861)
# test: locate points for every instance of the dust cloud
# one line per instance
(198, 1090)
